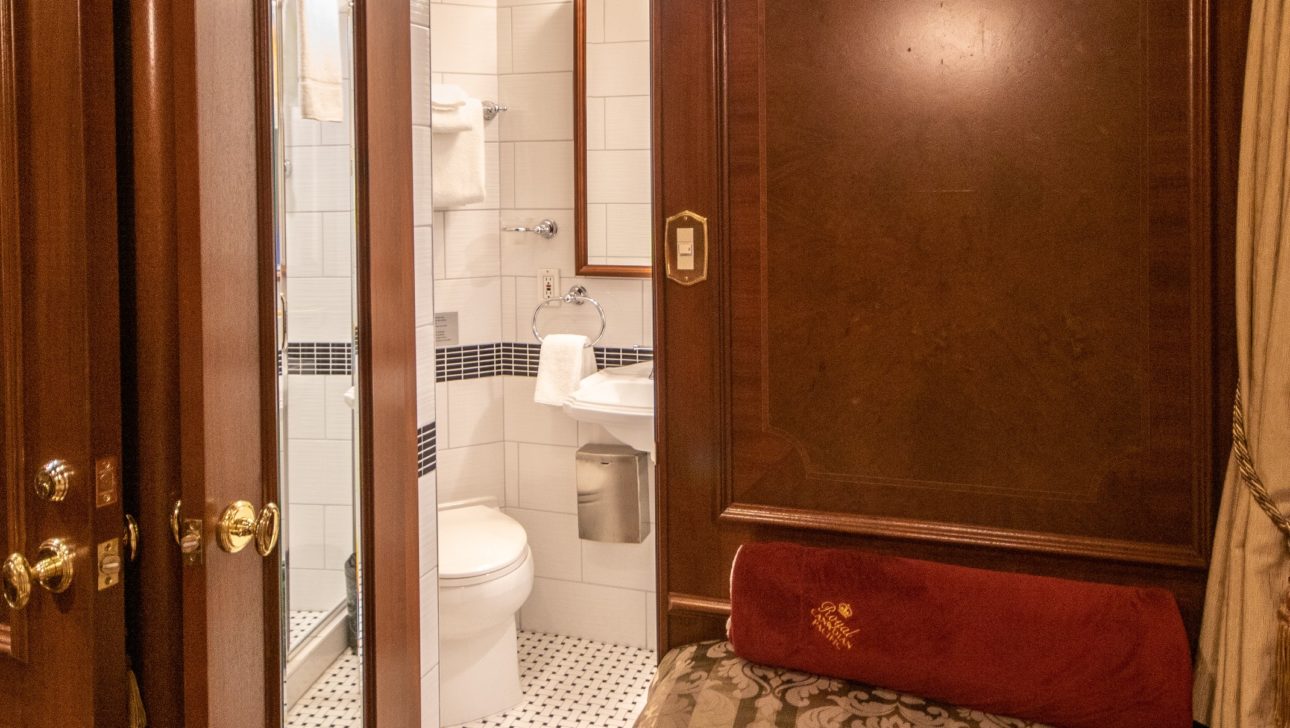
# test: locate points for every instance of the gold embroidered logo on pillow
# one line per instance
(830, 620)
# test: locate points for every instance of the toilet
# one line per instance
(485, 574)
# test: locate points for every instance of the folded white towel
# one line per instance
(448, 114)
(321, 97)
(447, 95)
(458, 162)
(565, 361)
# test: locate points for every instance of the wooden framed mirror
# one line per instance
(613, 189)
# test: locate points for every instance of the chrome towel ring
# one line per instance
(577, 296)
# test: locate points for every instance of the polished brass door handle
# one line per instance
(52, 571)
(239, 526)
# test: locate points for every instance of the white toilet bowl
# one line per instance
(485, 574)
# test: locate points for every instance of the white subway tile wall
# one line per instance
(493, 440)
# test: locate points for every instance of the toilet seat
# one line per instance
(479, 544)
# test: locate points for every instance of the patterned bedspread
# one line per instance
(705, 685)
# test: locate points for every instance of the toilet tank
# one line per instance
(613, 494)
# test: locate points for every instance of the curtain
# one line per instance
(1236, 658)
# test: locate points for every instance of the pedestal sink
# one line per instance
(621, 400)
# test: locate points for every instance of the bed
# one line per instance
(705, 685)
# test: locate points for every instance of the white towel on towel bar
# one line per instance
(321, 97)
(448, 109)
(458, 162)
(564, 362)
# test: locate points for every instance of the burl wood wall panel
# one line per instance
(966, 289)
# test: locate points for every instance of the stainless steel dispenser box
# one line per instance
(613, 494)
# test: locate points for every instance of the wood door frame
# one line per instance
(161, 112)
(13, 629)
(387, 378)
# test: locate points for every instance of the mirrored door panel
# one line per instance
(315, 274)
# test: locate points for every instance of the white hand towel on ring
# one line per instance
(565, 360)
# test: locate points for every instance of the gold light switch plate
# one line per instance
(686, 243)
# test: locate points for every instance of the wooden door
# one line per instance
(200, 375)
(964, 288)
(62, 655)
(227, 375)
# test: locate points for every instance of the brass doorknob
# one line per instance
(239, 526)
(52, 571)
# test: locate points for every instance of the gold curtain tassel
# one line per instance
(1281, 678)
(138, 718)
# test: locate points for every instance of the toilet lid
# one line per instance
(478, 540)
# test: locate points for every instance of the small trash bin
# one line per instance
(613, 494)
(351, 600)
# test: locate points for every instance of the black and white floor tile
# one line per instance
(576, 683)
(568, 683)
(302, 622)
(335, 701)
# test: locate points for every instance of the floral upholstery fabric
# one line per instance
(705, 685)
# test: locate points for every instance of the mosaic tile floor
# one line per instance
(568, 683)
(335, 701)
(302, 623)
(576, 683)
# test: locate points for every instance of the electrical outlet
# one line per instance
(549, 283)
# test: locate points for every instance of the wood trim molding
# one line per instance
(1132, 552)
(269, 410)
(387, 380)
(13, 627)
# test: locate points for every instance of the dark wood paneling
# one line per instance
(965, 296)
(387, 382)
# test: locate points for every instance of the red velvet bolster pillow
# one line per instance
(1065, 653)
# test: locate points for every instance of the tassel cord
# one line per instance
(1259, 492)
(1245, 463)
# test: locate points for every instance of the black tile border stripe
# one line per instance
(320, 357)
(477, 361)
(427, 452)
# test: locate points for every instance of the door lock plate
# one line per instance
(110, 565)
(107, 485)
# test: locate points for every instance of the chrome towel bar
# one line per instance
(546, 229)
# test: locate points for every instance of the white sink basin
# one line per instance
(621, 400)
